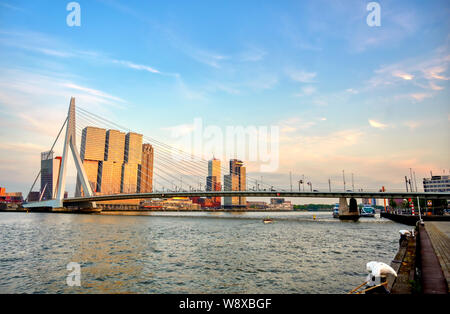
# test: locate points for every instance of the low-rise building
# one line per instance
(437, 184)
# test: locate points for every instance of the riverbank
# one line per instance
(422, 262)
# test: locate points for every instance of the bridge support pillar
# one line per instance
(347, 212)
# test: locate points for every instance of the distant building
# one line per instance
(280, 204)
(33, 196)
(92, 153)
(213, 179)
(112, 161)
(110, 169)
(133, 148)
(235, 181)
(256, 205)
(175, 203)
(109, 177)
(11, 197)
(436, 184)
(115, 146)
(132, 160)
(145, 170)
(231, 183)
(49, 175)
(276, 201)
(205, 202)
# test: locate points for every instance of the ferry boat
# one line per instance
(367, 211)
(336, 211)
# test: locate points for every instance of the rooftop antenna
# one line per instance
(415, 182)
(290, 178)
(406, 182)
(353, 186)
(343, 177)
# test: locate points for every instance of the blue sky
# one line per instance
(371, 100)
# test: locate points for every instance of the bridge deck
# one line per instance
(377, 195)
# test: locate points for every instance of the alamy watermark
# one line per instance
(74, 17)
(374, 17)
(74, 277)
(259, 144)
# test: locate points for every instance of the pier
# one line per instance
(422, 262)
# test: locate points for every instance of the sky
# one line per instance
(373, 101)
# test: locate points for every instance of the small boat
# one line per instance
(367, 211)
(268, 220)
(336, 211)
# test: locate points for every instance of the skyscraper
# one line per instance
(49, 174)
(111, 159)
(132, 161)
(235, 181)
(110, 170)
(115, 146)
(133, 148)
(145, 170)
(213, 179)
(231, 183)
(92, 152)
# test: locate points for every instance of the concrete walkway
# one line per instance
(439, 236)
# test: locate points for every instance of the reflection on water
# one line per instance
(190, 252)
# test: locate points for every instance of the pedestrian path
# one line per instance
(439, 234)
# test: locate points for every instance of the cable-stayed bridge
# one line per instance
(172, 172)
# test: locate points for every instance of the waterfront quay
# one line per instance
(422, 262)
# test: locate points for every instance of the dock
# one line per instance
(422, 262)
(435, 257)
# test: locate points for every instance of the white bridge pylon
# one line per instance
(69, 142)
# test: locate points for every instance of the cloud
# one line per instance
(412, 124)
(436, 73)
(43, 44)
(403, 75)
(135, 66)
(252, 55)
(419, 96)
(25, 147)
(9, 6)
(302, 76)
(306, 91)
(92, 91)
(377, 124)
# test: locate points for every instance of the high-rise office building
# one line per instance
(133, 148)
(92, 152)
(145, 170)
(109, 177)
(132, 160)
(93, 143)
(49, 174)
(213, 179)
(231, 183)
(115, 146)
(111, 159)
(110, 170)
(235, 181)
(129, 178)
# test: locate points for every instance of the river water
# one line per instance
(189, 252)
